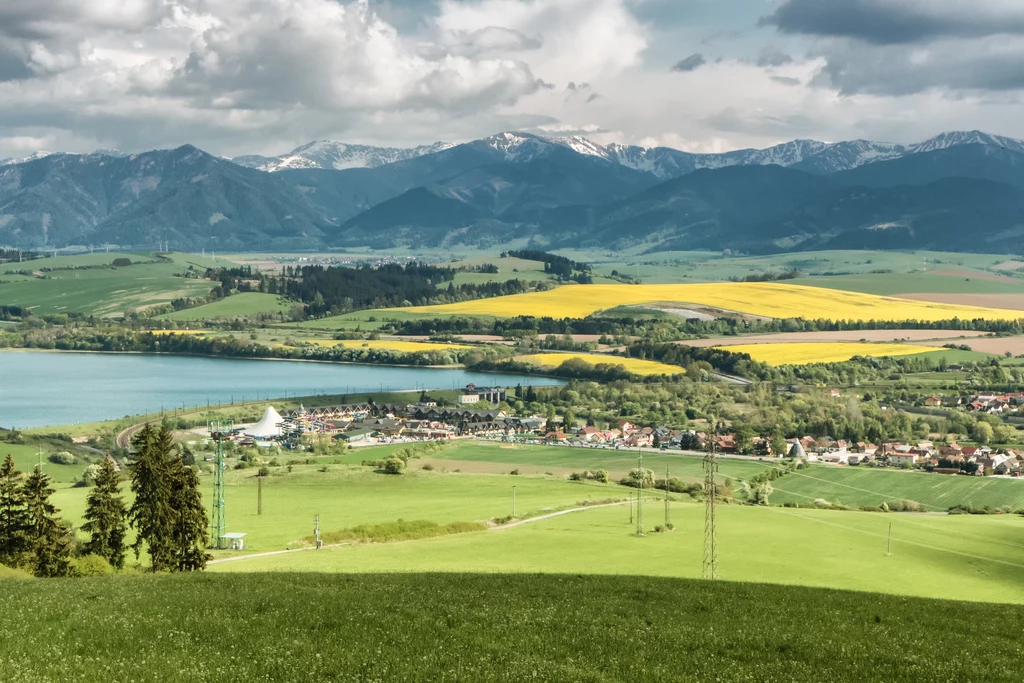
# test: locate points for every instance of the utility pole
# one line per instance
(513, 502)
(630, 507)
(259, 494)
(710, 569)
(667, 522)
(316, 532)
(888, 543)
(640, 497)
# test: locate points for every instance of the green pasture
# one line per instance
(466, 627)
(914, 283)
(869, 486)
(847, 550)
(537, 459)
(104, 292)
(27, 457)
(703, 266)
(243, 304)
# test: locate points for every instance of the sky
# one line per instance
(264, 76)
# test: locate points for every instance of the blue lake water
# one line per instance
(47, 388)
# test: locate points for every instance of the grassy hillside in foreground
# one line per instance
(309, 627)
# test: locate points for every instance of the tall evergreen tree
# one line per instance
(106, 516)
(152, 514)
(49, 536)
(13, 516)
(191, 522)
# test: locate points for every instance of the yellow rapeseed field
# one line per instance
(634, 365)
(802, 353)
(768, 299)
(389, 344)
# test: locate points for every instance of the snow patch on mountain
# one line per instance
(329, 154)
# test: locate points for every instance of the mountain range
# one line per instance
(955, 191)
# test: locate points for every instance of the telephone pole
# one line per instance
(710, 569)
(259, 495)
(668, 523)
(640, 497)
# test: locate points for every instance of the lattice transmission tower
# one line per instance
(219, 430)
(710, 538)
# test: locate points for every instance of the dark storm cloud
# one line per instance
(691, 63)
(888, 22)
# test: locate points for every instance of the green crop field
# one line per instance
(423, 627)
(237, 305)
(105, 292)
(865, 486)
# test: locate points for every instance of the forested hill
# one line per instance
(963, 192)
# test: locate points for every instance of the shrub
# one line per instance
(427, 466)
(394, 465)
(515, 472)
(903, 506)
(91, 565)
(264, 471)
(62, 458)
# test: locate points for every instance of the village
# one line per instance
(479, 415)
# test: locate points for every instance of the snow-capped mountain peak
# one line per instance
(330, 154)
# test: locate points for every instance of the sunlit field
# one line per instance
(772, 300)
(634, 365)
(802, 353)
(389, 344)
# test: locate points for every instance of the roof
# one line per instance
(234, 535)
(269, 424)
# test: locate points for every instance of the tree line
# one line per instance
(167, 515)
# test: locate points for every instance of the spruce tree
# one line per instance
(191, 521)
(13, 516)
(105, 515)
(49, 536)
(152, 514)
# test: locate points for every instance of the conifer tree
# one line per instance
(152, 514)
(191, 521)
(49, 536)
(106, 515)
(13, 516)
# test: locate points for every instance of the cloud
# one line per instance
(772, 56)
(691, 63)
(887, 22)
(786, 80)
(900, 47)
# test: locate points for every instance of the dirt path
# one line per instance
(554, 514)
(236, 558)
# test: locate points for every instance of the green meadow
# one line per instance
(243, 304)
(931, 556)
(102, 291)
(865, 486)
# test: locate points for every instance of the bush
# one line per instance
(394, 466)
(62, 458)
(91, 565)
(427, 466)
(903, 506)
(89, 475)
(515, 472)
(264, 471)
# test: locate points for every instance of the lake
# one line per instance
(57, 388)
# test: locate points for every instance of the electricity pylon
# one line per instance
(710, 540)
(219, 430)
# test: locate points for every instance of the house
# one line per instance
(904, 458)
(555, 436)
(474, 394)
(625, 426)
(588, 433)
(836, 457)
(357, 435)
(933, 402)
(859, 458)
(834, 393)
